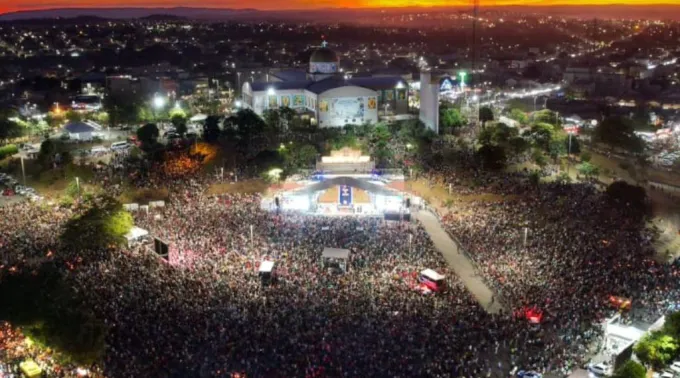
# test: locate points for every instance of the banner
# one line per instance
(345, 195)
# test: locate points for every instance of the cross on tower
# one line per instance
(324, 43)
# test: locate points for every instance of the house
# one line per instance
(83, 130)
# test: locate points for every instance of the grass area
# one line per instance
(143, 195)
(439, 196)
(246, 187)
(50, 183)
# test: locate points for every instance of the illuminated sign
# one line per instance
(447, 85)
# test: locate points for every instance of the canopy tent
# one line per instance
(30, 369)
(266, 267)
(135, 234)
(198, 118)
(337, 257)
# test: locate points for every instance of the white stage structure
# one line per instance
(335, 257)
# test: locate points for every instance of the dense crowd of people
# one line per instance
(558, 252)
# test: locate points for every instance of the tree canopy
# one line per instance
(450, 118)
(618, 132)
(630, 369)
(148, 135)
(101, 223)
(42, 304)
(485, 115)
(656, 349)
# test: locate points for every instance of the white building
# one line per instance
(326, 95)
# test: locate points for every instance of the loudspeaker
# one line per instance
(160, 247)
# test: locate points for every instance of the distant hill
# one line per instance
(163, 17)
(661, 11)
(126, 13)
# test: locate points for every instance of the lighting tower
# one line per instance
(475, 15)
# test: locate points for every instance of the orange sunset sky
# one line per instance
(18, 5)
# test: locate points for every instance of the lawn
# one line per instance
(247, 187)
(50, 183)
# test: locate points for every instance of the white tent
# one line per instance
(135, 234)
(198, 118)
(338, 255)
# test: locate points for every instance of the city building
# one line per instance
(328, 96)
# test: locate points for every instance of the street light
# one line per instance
(158, 102)
(271, 91)
(78, 185)
(462, 75)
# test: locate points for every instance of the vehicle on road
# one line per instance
(603, 369)
(119, 146)
(8, 192)
(529, 374)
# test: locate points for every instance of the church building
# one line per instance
(328, 97)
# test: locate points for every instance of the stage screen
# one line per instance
(348, 108)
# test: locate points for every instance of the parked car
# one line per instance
(675, 366)
(601, 369)
(8, 192)
(529, 374)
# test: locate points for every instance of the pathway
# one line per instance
(458, 261)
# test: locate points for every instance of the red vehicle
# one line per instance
(8, 192)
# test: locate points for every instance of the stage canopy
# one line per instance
(348, 181)
(136, 233)
(335, 253)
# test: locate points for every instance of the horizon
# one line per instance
(307, 5)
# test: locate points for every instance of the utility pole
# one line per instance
(475, 15)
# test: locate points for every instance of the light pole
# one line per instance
(78, 185)
(23, 170)
(158, 103)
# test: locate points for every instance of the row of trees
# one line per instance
(542, 141)
(657, 349)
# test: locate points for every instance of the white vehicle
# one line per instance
(675, 366)
(119, 146)
(665, 374)
(98, 150)
(602, 369)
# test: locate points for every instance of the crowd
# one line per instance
(558, 251)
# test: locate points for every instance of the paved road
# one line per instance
(458, 261)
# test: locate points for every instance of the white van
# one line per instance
(119, 146)
(98, 150)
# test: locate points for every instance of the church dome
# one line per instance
(323, 55)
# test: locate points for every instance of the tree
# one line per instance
(73, 116)
(546, 116)
(122, 109)
(586, 156)
(450, 119)
(628, 197)
(8, 128)
(518, 116)
(49, 312)
(273, 120)
(180, 123)
(656, 349)
(492, 157)
(587, 169)
(211, 129)
(301, 156)
(618, 132)
(102, 223)
(485, 115)
(148, 135)
(541, 134)
(630, 369)
(48, 149)
(672, 325)
(380, 143)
